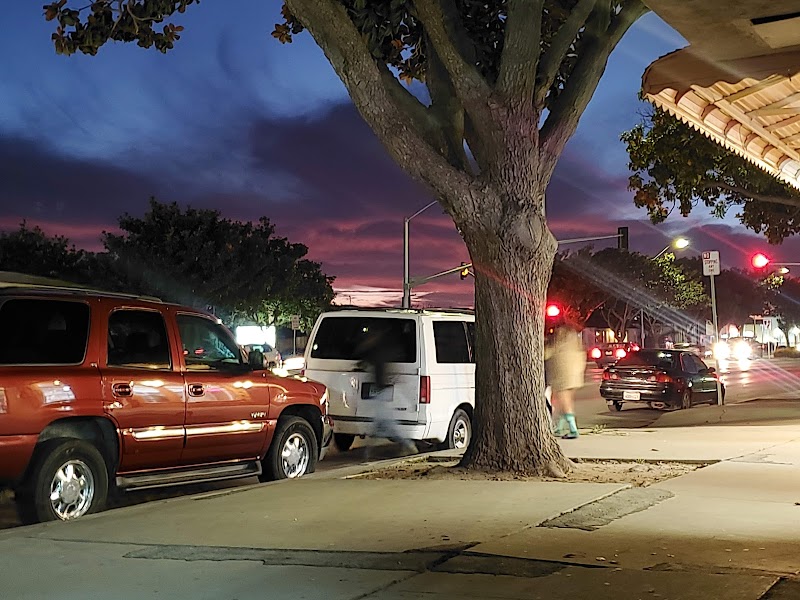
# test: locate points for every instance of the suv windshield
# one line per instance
(342, 338)
(649, 358)
(43, 332)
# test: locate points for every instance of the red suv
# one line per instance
(102, 391)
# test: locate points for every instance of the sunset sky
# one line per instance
(233, 120)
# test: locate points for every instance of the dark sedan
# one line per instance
(663, 379)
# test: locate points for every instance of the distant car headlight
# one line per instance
(742, 350)
(722, 350)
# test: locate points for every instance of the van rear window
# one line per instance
(347, 338)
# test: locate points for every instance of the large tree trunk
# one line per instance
(512, 258)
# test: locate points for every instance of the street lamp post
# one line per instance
(680, 243)
(406, 275)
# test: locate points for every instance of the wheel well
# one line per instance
(310, 413)
(101, 432)
(467, 408)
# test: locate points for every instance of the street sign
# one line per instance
(756, 317)
(295, 322)
(711, 263)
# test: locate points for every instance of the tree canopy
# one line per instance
(674, 167)
(623, 284)
(241, 268)
(189, 256)
(503, 84)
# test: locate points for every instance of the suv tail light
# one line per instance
(596, 353)
(424, 390)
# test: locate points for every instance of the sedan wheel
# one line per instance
(686, 399)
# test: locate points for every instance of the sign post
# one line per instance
(295, 327)
(711, 268)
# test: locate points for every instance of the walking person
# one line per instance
(565, 364)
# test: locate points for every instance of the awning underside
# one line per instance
(750, 106)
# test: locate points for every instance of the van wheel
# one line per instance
(69, 479)
(459, 434)
(293, 452)
(343, 441)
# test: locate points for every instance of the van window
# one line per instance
(471, 338)
(450, 338)
(343, 338)
(43, 332)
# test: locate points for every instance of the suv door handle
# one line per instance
(196, 389)
(122, 389)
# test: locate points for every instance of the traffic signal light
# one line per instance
(622, 238)
(464, 273)
(760, 261)
(552, 311)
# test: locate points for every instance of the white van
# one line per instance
(432, 392)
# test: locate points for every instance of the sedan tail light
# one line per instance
(663, 378)
(596, 353)
(620, 353)
(608, 375)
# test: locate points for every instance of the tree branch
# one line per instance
(379, 101)
(446, 110)
(767, 198)
(571, 103)
(559, 46)
(446, 33)
(521, 50)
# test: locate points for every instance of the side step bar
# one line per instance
(157, 479)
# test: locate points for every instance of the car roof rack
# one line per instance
(11, 283)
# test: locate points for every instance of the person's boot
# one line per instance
(573, 427)
(557, 424)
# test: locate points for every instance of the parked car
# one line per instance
(106, 391)
(433, 393)
(607, 354)
(663, 379)
(272, 358)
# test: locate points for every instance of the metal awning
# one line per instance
(749, 105)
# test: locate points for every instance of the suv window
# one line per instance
(138, 339)
(450, 338)
(43, 332)
(344, 338)
(207, 345)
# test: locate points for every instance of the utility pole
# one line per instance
(406, 274)
(711, 268)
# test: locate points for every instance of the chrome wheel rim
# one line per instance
(295, 456)
(72, 490)
(460, 434)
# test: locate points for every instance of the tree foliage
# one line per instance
(188, 256)
(625, 284)
(675, 167)
(240, 267)
(505, 84)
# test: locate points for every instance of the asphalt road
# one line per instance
(758, 379)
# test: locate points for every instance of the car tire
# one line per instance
(293, 453)
(686, 399)
(74, 471)
(343, 441)
(459, 433)
(617, 405)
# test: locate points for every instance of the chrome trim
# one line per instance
(159, 432)
(235, 427)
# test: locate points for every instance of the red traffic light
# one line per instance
(552, 311)
(760, 261)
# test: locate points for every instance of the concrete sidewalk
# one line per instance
(730, 530)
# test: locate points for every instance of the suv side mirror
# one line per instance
(256, 360)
